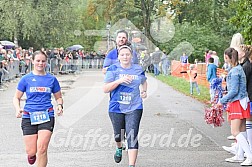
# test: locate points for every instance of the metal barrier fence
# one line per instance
(16, 68)
(9, 70)
(56, 66)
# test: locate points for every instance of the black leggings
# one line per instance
(126, 122)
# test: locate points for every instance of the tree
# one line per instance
(200, 37)
(242, 18)
(36, 23)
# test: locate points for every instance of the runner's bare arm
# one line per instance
(59, 100)
(144, 90)
(16, 102)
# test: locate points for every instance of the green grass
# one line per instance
(183, 86)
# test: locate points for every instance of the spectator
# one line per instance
(27, 61)
(244, 54)
(146, 62)
(54, 56)
(184, 60)
(211, 74)
(236, 40)
(216, 59)
(238, 108)
(4, 55)
(156, 58)
(207, 56)
(22, 64)
(1, 74)
(192, 73)
(30, 51)
(1, 56)
(165, 63)
(226, 66)
(10, 54)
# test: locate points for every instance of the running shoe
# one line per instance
(247, 162)
(31, 159)
(118, 155)
(231, 137)
(234, 159)
(232, 144)
(231, 150)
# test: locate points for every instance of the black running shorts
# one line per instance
(29, 129)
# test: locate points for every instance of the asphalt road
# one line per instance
(172, 131)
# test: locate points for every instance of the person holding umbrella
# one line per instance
(7, 44)
(75, 47)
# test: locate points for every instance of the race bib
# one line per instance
(125, 98)
(39, 117)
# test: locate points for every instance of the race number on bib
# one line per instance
(39, 117)
(125, 98)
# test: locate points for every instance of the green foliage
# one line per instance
(200, 37)
(39, 24)
(212, 13)
(242, 19)
(49, 23)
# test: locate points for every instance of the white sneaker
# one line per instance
(231, 137)
(234, 159)
(231, 150)
(247, 162)
(233, 144)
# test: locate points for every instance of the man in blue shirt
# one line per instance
(112, 56)
(184, 59)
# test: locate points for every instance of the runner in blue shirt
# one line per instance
(38, 114)
(122, 81)
(112, 56)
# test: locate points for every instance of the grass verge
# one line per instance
(183, 86)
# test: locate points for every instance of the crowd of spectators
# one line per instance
(15, 62)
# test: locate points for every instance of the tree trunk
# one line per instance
(147, 6)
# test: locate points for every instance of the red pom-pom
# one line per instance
(213, 115)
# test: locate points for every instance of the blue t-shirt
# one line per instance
(126, 97)
(38, 91)
(211, 72)
(112, 58)
(183, 59)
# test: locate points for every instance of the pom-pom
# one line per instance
(214, 116)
